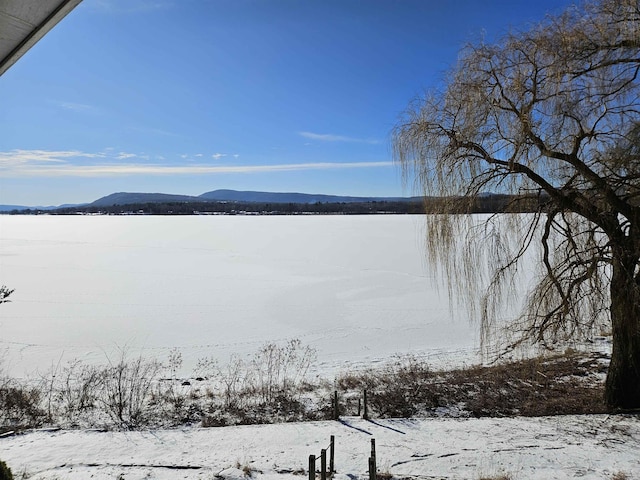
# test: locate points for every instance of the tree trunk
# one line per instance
(622, 390)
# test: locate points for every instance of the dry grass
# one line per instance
(564, 384)
(620, 476)
(567, 384)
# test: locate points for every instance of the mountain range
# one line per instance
(129, 198)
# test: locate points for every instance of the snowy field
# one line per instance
(587, 447)
(356, 288)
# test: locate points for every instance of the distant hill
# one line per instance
(126, 198)
(233, 202)
(8, 208)
(11, 208)
(235, 196)
(292, 197)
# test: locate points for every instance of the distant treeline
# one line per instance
(483, 204)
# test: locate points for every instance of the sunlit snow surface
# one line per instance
(356, 288)
(591, 447)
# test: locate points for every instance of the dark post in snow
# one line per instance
(372, 468)
(312, 467)
(332, 453)
(365, 415)
(336, 412)
(323, 464)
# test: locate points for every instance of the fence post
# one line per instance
(373, 464)
(312, 467)
(372, 468)
(365, 415)
(332, 453)
(336, 412)
(323, 464)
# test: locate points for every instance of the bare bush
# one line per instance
(402, 388)
(563, 384)
(130, 393)
(77, 390)
(20, 406)
(127, 388)
(279, 370)
(265, 389)
(168, 390)
(235, 379)
(173, 399)
(174, 363)
(133, 391)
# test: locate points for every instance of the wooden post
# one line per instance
(372, 468)
(323, 464)
(336, 412)
(365, 415)
(312, 467)
(332, 453)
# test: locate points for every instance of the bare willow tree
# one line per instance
(555, 112)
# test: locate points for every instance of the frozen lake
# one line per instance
(356, 288)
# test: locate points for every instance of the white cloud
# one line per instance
(42, 163)
(76, 107)
(218, 156)
(130, 6)
(328, 137)
(22, 157)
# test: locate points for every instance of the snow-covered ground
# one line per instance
(356, 288)
(587, 447)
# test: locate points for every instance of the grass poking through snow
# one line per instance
(134, 393)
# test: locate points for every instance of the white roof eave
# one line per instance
(24, 22)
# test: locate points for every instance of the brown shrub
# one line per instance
(564, 384)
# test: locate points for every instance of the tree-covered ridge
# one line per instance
(490, 203)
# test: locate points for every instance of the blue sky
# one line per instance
(188, 96)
